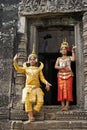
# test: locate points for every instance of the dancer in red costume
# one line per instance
(65, 75)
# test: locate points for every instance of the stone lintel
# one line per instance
(57, 6)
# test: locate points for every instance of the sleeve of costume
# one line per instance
(42, 78)
(17, 67)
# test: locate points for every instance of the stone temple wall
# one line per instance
(8, 47)
(8, 28)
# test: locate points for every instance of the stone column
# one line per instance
(79, 65)
(85, 57)
(17, 111)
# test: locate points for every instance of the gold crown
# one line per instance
(64, 44)
(33, 54)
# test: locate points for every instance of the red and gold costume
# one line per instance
(65, 79)
(32, 93)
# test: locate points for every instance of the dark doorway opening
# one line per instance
(48, 51)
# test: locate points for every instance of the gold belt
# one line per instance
(31, 86)
(65, 74)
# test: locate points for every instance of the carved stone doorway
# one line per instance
(47, 34)
(49, 40)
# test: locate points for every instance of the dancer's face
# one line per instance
(63, 51)
(32, 61)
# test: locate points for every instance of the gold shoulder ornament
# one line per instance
(41, 66)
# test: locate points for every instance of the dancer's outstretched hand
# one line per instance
(48, 86)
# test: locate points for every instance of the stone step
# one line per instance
(51, 113)
(50, 125)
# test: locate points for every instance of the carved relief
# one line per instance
(85, 56)
(43, 6)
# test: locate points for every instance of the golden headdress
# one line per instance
(33, 54)
(64, 44)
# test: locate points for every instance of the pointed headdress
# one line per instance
(33, 54)
(64, 44)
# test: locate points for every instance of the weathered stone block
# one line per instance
(17, 125)
(18, 115)
(4, 113)
(5, 125)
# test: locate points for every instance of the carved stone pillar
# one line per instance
(17, 111)
(85, 57)
(79, 65)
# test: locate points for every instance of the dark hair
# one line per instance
(27, 64)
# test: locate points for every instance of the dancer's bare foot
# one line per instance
(62, 108)
(26, 122)
(32, 119)
(66, 108)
